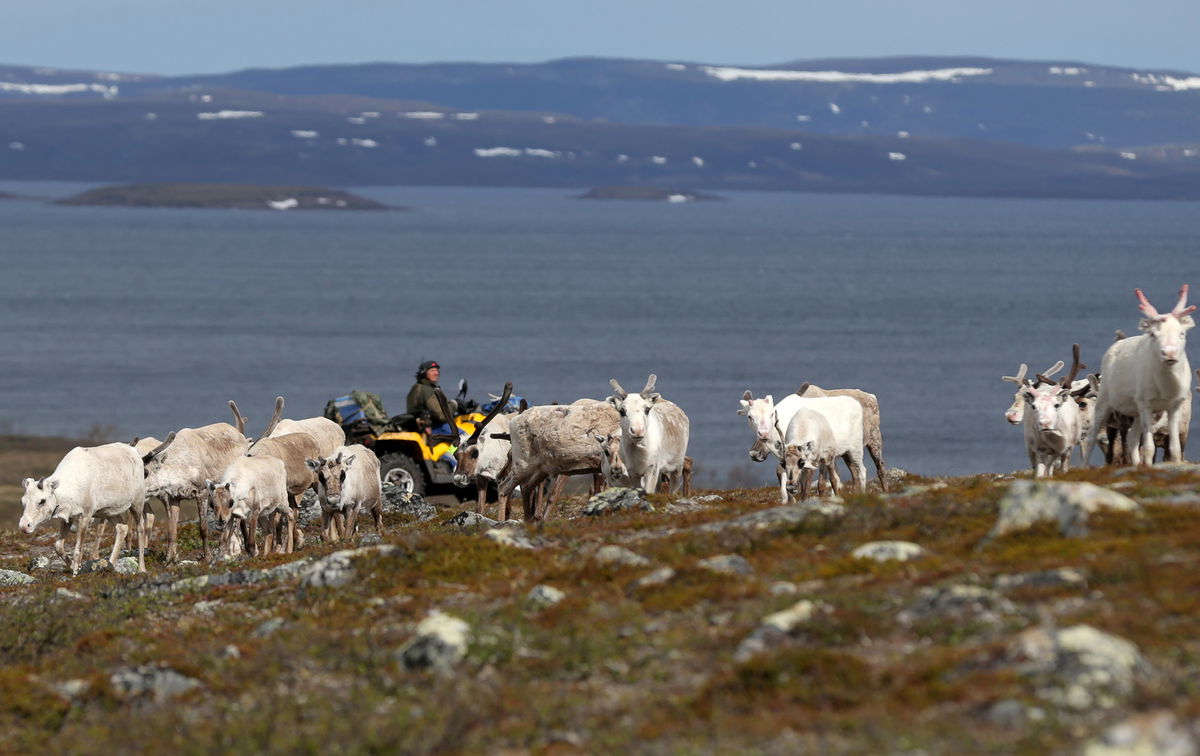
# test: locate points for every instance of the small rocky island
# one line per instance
(655, 193)
(226, 196)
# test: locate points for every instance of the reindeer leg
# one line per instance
(60, 543)
(80, 530)
(556, 489)
(832, 476)
(875, 449)
(249, 537)
(1173, 453)
(141, 535)
(202, 521)
(120, 529)
(101, 527)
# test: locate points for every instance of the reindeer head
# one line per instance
(1170, 330)
(332, 475)
(466, 456)
(634, 409)
(612, 466)
(1044, 402)
(798, 460)
(38, 501)
(220, 496)
(761, 415)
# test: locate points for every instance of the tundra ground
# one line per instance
(675, 653)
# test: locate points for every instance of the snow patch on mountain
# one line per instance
(727, 73)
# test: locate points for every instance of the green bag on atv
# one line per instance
(357, 407)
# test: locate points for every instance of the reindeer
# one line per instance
(654, 435)
(1146, 374)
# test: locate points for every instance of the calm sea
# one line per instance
(137, 322)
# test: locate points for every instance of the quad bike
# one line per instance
(409, 457)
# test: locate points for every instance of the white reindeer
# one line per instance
(252, 489)
(654, 435)
(484, 456)
(98, 482)
(1146, 374)
(809, 446)
(769, 420)
(348, 484)
(1052, 422)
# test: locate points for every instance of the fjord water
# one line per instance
(140, 321)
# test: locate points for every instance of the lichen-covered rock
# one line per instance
(616, 499)
(1065, 577)
(618, 556)
(12, 577)
(512, 536)
(126, 566)
(981, 604)
(774, 629)
(727, 564)
(888, 551)
(337, 569)
(95, 565)
(158, 682)
(543, 596)
(470, 521)
(410, 505)
(268, 627)
(661, 576)
(1068, 504)
(1154, 733)
(47, 563)
(440, 643)
(1078, 668)
(64, 593)
(778, 518)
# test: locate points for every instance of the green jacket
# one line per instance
(422, 397)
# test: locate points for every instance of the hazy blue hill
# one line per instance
(1022, 129)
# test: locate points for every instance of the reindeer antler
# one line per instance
(1076, 366)
(1145, 306)
(1180, 310)
(496, 410)
(1018, 379)
(619, 392)
(649, 385)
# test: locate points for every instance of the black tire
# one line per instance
(402, 470)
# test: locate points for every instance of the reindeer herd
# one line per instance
(1140, 399)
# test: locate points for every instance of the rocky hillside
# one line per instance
(985, 614)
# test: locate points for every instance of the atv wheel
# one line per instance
(403, 472)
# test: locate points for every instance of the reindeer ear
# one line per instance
(30, 481)
(53, 484)
(745, 406)
(1147, 324)
(769, 399)
(209, 484)
(349, 459)
(613, 401)
(653, 398)
(313, 464)
(1186, 321)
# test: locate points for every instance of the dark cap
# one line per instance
(428, 365)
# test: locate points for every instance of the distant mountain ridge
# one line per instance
(941, 125)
